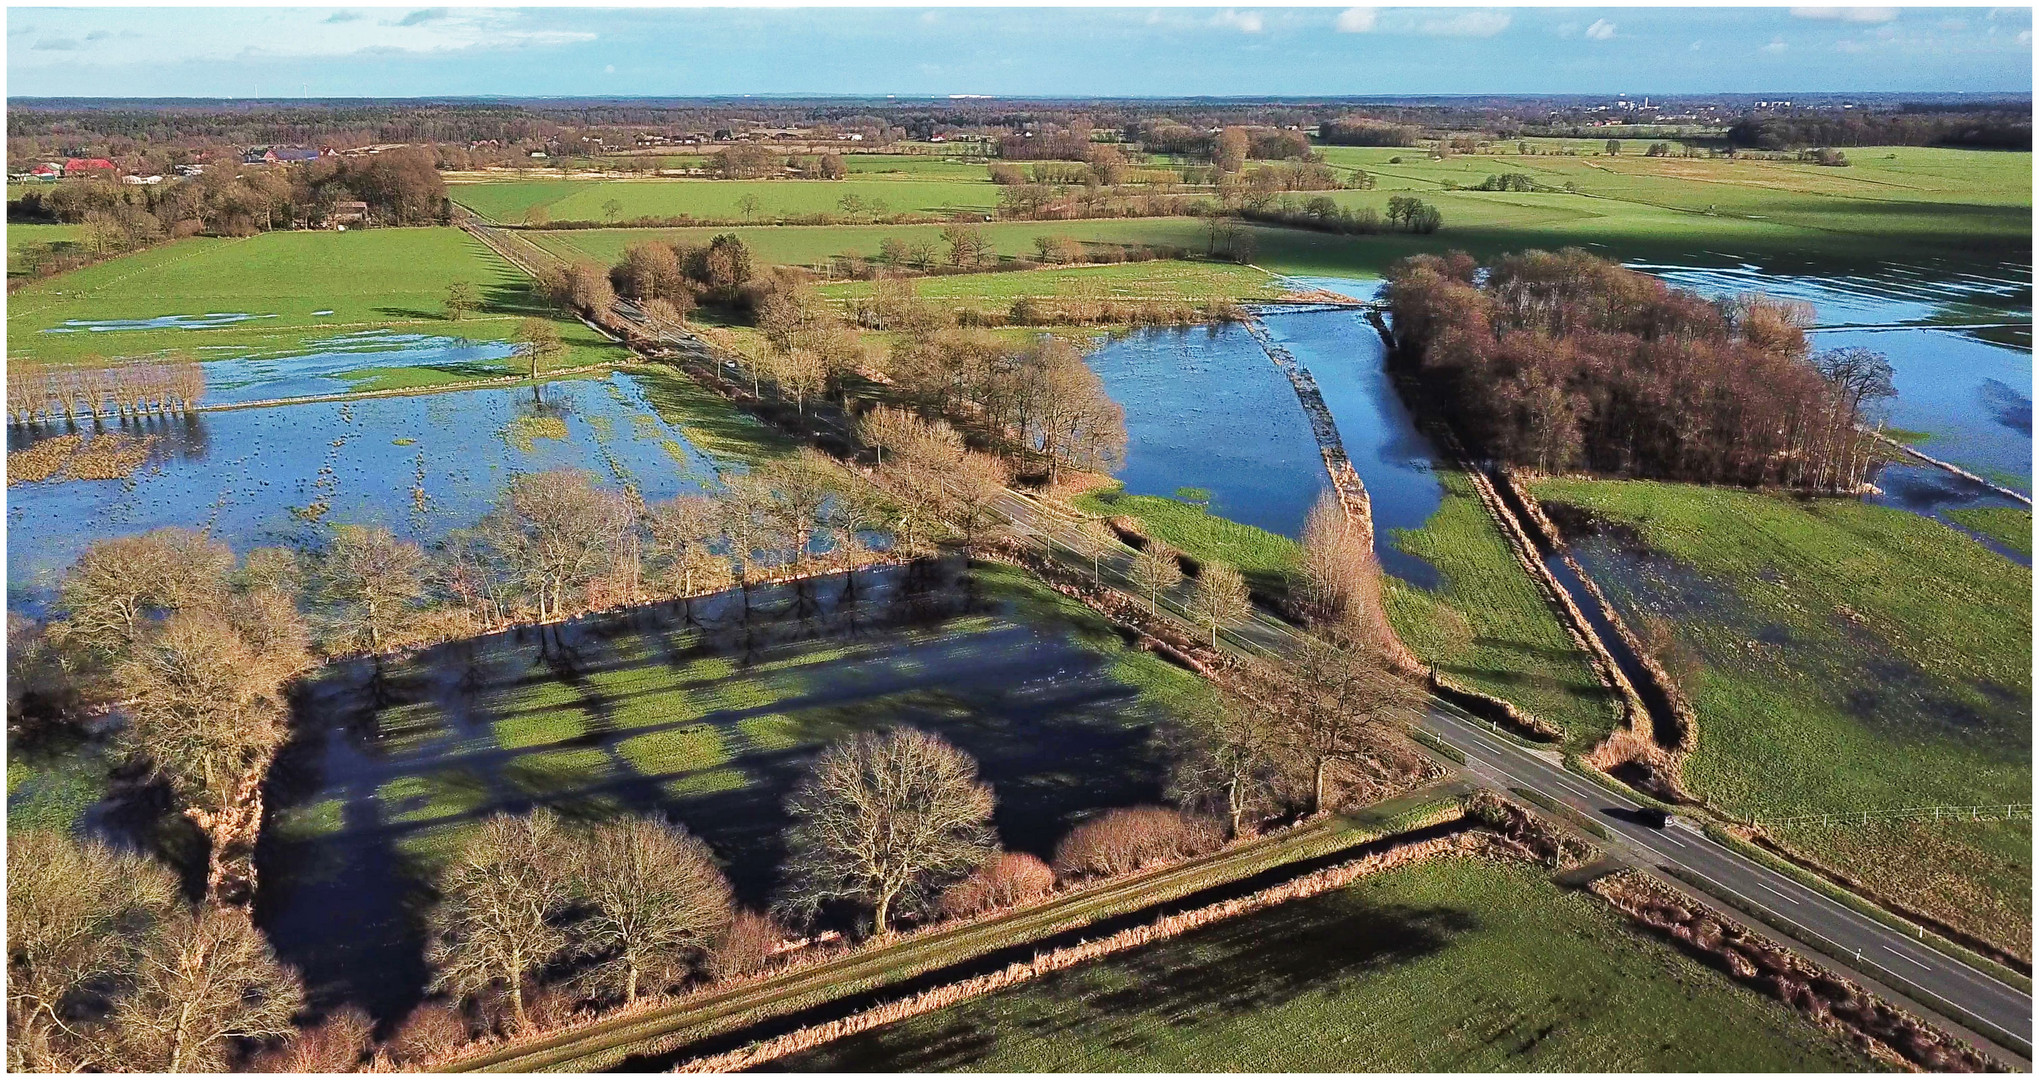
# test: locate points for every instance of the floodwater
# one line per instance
(386, 764)
(323, 370)
(420, 465)
(1392, 457)
(209, 321)
(1206, 409)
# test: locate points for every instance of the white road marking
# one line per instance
(1907, 959)
(1774, 892)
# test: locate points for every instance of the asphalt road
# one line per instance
(1990, 1007)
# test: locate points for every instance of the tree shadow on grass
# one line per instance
(1126, 1003)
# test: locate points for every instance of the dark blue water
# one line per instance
(1205, 408)
(277, 475)
(1393, 458)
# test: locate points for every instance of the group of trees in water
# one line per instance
(1567, 361)
(93, 388)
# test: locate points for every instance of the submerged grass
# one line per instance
(1450, 965)
(1847, 657)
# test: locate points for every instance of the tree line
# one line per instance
(94, 389)
(1798, 130)
(1567, 361)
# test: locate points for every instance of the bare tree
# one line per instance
(375, 579)
(560, 531)
(206, 709)
(538, 341)
(335, 1044)
(678, 533)
(1342, 577)
(118, 585)
(1226, 753)
(495, 923)
(1219, 597)
(78, 915)
(1156, 569)
(207, 980)
(885, 819)
(1335, 704)
(1130, 838)
(1004, 881)
(655, 900)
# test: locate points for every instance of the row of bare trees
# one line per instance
(96, 388)
(1565, 361)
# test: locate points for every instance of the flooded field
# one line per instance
(420, 465)
(348, 362)
(706, 713)
(1393, 459)
(1828, 674)
(1206, 409)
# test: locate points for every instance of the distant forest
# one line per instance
(166, 132)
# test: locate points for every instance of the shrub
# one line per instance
(1129, 839)
(432, 1031)
(1006, 881)
(746, 947)
(336, 1044)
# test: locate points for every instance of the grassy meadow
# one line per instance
(1451, 965)
(1910, 204)
(1159, 279)
(1844, 657)
(21, 237)
(2007, 525)
(301, 287)
(513, 202)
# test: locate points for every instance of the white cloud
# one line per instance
(1698, 45)
(1601, 30)
(1246, 22)
(1776, 45)
(608, 69)
(1357, 20)
(2024, 37)
(1847, 14)
(1467, 24)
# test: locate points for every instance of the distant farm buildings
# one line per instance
(275, 155)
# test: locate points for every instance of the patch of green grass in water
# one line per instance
(52, 790)
(678, 750)
(429, 797)
(546, 727)
(1451, 965)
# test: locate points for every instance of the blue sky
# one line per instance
(281, 52)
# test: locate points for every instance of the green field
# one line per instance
(1270, 561)
(20, 237)
(374, 279)
(1920, 205)
(2007, 525)
(1452, 965)
(1160, 279)
(814, 245)
(1849, 657)
(1908, 202)
(721, 200)
(1489, 627)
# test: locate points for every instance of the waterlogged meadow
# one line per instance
(1206, 410)
(705, 712)
(1840, 657)
(420, 465)
(1456, 964)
